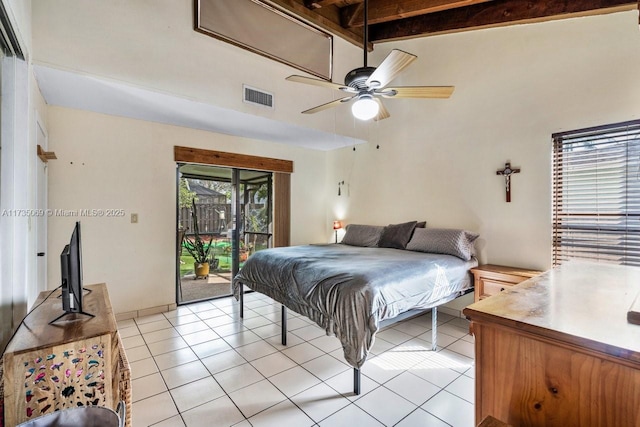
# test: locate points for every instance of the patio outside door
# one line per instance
(212, 201)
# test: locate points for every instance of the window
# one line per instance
(596, 194)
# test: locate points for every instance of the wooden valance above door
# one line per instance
(233, 160)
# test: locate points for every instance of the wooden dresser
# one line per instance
(71, 363)
(557, 350)
(490, 279)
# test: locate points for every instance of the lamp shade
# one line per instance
(337, 225)
(365, 107)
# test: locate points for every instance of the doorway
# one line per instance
(212, 201)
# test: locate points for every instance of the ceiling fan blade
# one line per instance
(383, 113)
(328, 105)
(318, 82)
(417, 92)
(393, 64)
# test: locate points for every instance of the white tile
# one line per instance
(200, 337)
(325, 367)
(385, 406)
(150, 385)
(166, 346)
(144, 367)
(171, 422)
(256, 398)
(451, 409)
(238, 377)
(210, 348)
(148, 319)
(267, 331)
(137, 353)
(199, 307)
(454, 360)
(463, 387)
(386, 366)
(295, 323)
(394, 336)
(243, 338)
(183, 374)
(309, 332)
(273, 364)
(343, 384)
(217, 321)
(435, 373)
(294, 380)
(131, 342)
(256, 322)
(153, 410)
(244, 423)
(471, 372)
(182, 320)
(326, 343)
(231, 328)
(380, 346)
(413, 329)
(128, 332)
(210, 314)
(220, 411)
(283, 414)
(320, 401)
(276, 341)
(460, 322)
(443, 339)
(175, 358)
(154, 326)
(162, 334)
(180, 311)
(223, 361)
(302, 353)
(190, 328)
(256, 350)
(463, 347)
(127, 323)
(413, 388)
(350, 416)
(452, 330)
(196, 393)
(420, 417)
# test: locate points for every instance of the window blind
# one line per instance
(596, 194)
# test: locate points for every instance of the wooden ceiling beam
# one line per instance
(297, 8)
(317, 4)
(493, 14)
(385, 11)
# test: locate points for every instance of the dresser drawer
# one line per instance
(491, 287)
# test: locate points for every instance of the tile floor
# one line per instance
(200, 365)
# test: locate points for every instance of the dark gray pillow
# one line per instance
(421, 224)
(443, 241)
(362, 235)
(397, 235)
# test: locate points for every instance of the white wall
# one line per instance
(152, 44)
(107, 162)
(515, 86)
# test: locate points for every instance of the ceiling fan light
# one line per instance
(365, 108)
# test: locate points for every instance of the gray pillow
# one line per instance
(396, 236)
(443, 241)
(362, 235)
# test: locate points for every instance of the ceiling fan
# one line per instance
(366, 85)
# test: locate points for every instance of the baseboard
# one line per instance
(145, 312)
(450, 311)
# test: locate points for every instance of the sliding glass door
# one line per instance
(224, 215)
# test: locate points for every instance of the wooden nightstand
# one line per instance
(490, 279)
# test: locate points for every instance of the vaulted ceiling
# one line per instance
(400, 19)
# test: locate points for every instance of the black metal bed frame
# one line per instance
(356, 371)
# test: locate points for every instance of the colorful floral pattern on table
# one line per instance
(75, 377)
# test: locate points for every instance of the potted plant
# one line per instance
(198, 248)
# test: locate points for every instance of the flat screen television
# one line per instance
(71, 274)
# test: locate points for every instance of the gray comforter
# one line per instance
(349, 290)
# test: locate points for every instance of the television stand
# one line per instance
(51, 367)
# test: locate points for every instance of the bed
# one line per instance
(351, 290)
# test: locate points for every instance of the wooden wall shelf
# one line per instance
(45, 156)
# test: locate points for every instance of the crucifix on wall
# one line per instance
(507, 172)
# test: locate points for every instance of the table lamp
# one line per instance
(337, 225)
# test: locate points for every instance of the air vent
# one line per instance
(257, 96)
